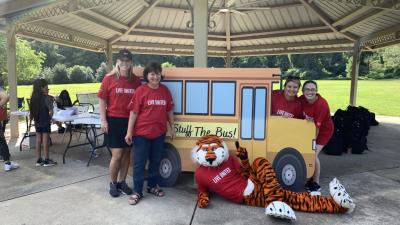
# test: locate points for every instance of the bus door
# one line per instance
(253, 118)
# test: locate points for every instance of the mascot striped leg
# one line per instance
(267, 190)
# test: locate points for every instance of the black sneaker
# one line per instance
(123, 187)
(49, 162)
(114, 192)
(39, 162)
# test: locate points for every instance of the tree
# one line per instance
(29, 62)
(51, 50)
(60, 74)
(101, 71)
(167, 65)
(81, 74)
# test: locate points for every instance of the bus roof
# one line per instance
(218, 73)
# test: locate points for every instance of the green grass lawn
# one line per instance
(381, 97)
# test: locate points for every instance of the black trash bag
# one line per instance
(335, 146)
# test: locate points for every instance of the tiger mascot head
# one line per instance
(210, 151)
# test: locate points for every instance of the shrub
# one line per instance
(81, 74)
(60, 74)
(47, 74)
(101, 71)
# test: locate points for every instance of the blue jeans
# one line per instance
(146, 149)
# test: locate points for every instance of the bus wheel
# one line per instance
(290, 169)
(170, 166)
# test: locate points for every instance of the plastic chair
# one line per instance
(21, 104)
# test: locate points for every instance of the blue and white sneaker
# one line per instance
(10, 165)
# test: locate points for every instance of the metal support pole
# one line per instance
(200, 30)
(12, 79)
(228, 60)
(109, 56)
(354, 72)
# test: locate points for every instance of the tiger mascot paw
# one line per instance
(203, 199)
(241, 152)
(280, 210)
(340, 195)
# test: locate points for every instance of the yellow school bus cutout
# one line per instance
(235, 104)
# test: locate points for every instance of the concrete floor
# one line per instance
(72, 193)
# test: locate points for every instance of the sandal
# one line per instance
(134, 198)
(156, 191)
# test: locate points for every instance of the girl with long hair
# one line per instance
(41, 112)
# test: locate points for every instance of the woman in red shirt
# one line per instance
(115, 93)
(286, 103)
(316, 109)
(151, 107)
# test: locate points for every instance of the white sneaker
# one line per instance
(11, 166)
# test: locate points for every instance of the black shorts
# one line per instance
(117, 128)
(45, 129)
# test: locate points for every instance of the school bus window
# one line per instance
(196, 99)
(260, 113)
(223, 98)
(175, 87)
(246, 124)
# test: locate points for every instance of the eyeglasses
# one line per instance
(310, 90)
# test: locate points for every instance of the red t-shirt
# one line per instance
(152, 107)
(283, 107)
(319, 112)
(118, 93)
(223, 180)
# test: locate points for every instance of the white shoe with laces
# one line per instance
(10, 166)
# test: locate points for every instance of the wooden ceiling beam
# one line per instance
(363, 19)
(135, 21)
(294, 51)
(282, 33)
(58, 28)
(46, 39)
(95, 22)
(160, 45)
(106, 19)
(326, 20)
(293, 45)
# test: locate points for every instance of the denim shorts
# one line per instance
(45, 129)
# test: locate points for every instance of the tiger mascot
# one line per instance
(256, 184)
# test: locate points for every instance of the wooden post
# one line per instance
(12, 79)
(200, 30)
(354, 73)
(109, 56)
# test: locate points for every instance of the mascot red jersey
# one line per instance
(256, 184)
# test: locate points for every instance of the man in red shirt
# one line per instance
(286, 103)
(115, 93)
(151, 107)
(316, 109)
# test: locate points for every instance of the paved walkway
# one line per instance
(72, 193)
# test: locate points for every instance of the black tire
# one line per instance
(290, 169)
(170, 166)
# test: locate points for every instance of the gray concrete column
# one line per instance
(200, 30)
(354, 73)
(109, 56)
(12, 80)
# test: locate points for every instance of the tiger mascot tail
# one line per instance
(256, 184)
